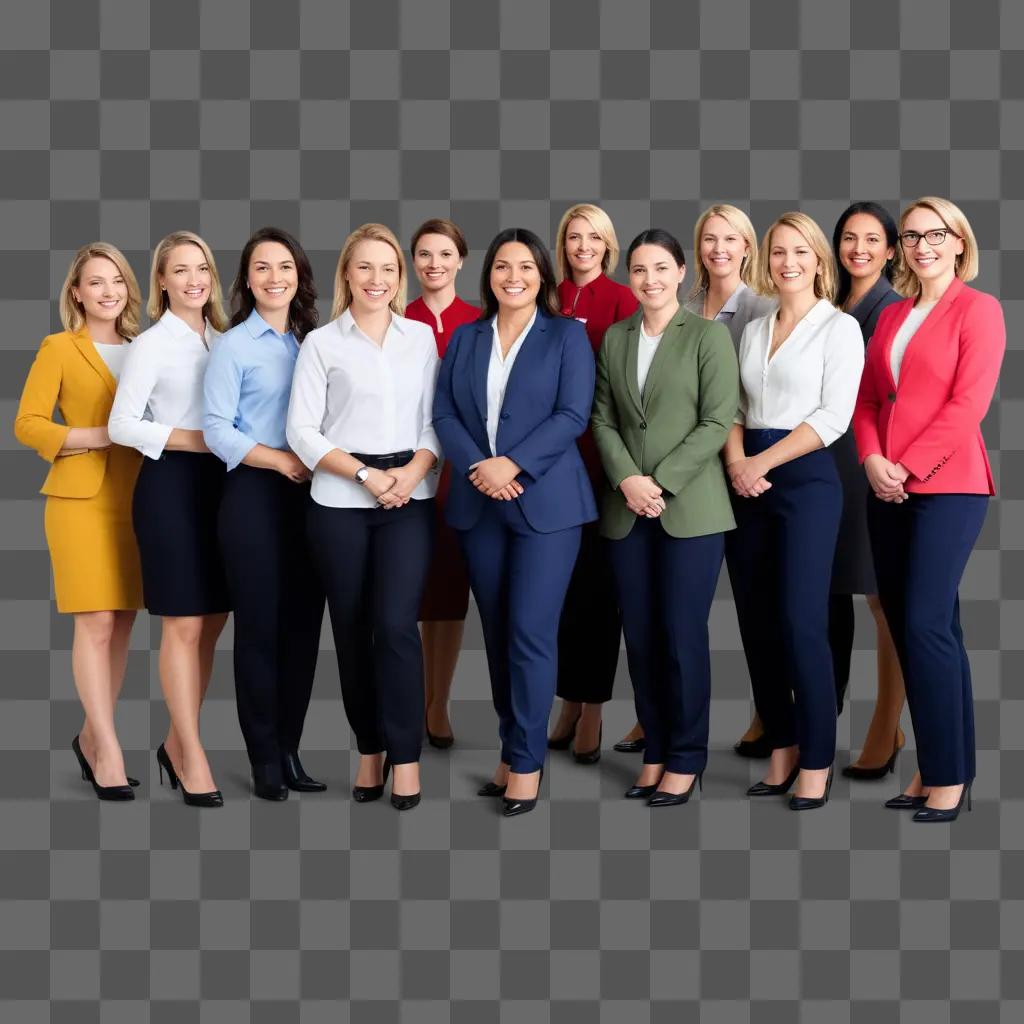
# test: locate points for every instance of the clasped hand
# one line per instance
(496, 478)
(643, 496)
(404, 480)
(748, 477)
(886, 478)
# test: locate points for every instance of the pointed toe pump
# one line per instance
(295, 777)
(774, 788)
(659, 798)
(810, 803)
(903, 802)
(115, 793)
(937, 815)
(214, 798)
(512, 806)
(367, 794)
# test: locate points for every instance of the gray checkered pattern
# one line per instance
(124, 120)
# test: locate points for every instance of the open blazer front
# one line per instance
(931, 420)
(546, 407)
(675, 431)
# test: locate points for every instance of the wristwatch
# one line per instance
(361, 474)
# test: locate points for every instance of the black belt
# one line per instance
(390, 461)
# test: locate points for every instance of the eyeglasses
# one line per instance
(934, 237)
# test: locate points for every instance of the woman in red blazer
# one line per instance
(932, 367)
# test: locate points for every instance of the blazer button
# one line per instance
(892, 396)
(504, 415)
(643, 426)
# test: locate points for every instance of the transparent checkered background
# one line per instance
(123, 120)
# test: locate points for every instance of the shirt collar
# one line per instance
(733, 302)
(257, 327)
(521, 338)
(820, 312)
(178, 328)
(347, 323)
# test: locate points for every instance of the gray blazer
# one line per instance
(742, 306)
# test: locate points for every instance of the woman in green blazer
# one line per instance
(667, 392)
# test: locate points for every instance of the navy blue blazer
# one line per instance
(546, 408)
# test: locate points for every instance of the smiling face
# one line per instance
(930, 262)
(373, 276)
(101, 289)
(654, 277)
(272, 277)
(791, 261)
(515, 277)
(186, 278)
(863, 250)
(585, 249)
(436, 261)
(722, 248)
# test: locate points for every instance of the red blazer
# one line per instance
(931, 421)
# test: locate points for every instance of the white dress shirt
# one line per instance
(350, 393)
(498, 370)
(813, 377)
(161, 385)
(646, 349)
(907, 330)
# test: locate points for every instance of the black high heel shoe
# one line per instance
(510, 807)
(757, 749)
(809, 803)
(491, 789)
(119, 793)
(662, 799)
(854, 771)
(76, 746)
(214, 798)
(295, 776)
(774, 788)
(564, 742)
(367, 794)
(637, 746)
(439, 742)
(268, 782)
(590, 756)
(937, 815)
(637, 792)
(903, 802)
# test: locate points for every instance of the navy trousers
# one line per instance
(920, 549)
(666, 586)
(278, 604)
(780, 564)
(519, 578)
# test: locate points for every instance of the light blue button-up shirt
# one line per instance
(246, 388)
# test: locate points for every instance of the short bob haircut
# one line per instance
(661, 238)
(547, 297)
(72, 312)
(302, 312)
(740, 223)
(601, 223)
(440, 226)
(824, 280)
(904, 280)
(342, 291)
(892, 240)
(158, 301)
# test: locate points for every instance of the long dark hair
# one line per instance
(661, 238)
(547, 297)
(302, 313)
(882, 215)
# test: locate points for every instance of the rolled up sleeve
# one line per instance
(840, 381)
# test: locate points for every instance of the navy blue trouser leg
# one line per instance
(519, 578)
(921, 548)
(666, 586)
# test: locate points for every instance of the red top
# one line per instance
(455, 315)
(597, 305)
(931, 420)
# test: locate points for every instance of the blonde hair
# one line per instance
(72, 312)
(904, 280)
(342, 291)
(825, 280)
(740, 223)
(601, 223)
(158, 303)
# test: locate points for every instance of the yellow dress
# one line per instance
(89, 495)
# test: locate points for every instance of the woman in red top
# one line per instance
(586, 251)
(438, 249)
(932, 367)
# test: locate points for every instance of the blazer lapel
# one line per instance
(84, 345)
(632, 358)
(526, 351)
(481, 360)
(863, 310)
(670, 338)
(935, 314)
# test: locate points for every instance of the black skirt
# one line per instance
(853, 572)
(174, 513)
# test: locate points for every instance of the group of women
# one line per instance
(397, 457)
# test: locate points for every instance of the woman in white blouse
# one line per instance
(360, 419)
(158, 410)
(799, 373)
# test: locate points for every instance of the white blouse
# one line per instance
(113, 355)
(647, 347)
(907, 330)
(813, 377)
(161, 385)
(350, 393)
(498, 370)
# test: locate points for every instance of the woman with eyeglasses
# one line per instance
(932, 368)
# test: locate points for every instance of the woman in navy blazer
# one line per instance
(513, 395)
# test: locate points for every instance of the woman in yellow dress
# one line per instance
(89, 493)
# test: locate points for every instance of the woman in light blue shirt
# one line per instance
(277, 599)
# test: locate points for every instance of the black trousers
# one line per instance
(374, 564)
(279, 607)
(588, 635)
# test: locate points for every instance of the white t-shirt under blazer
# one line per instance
(352, 394)
(813, 377)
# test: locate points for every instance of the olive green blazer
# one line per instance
(675, 431)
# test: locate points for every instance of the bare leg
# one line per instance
(371, 770)
(650, 775)
(754, 731)
(783, 761)
(406, 779)
(442, 641)
(588, 731)
(567, 718)
(522, 785)
(636, 733)
(884, 729)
